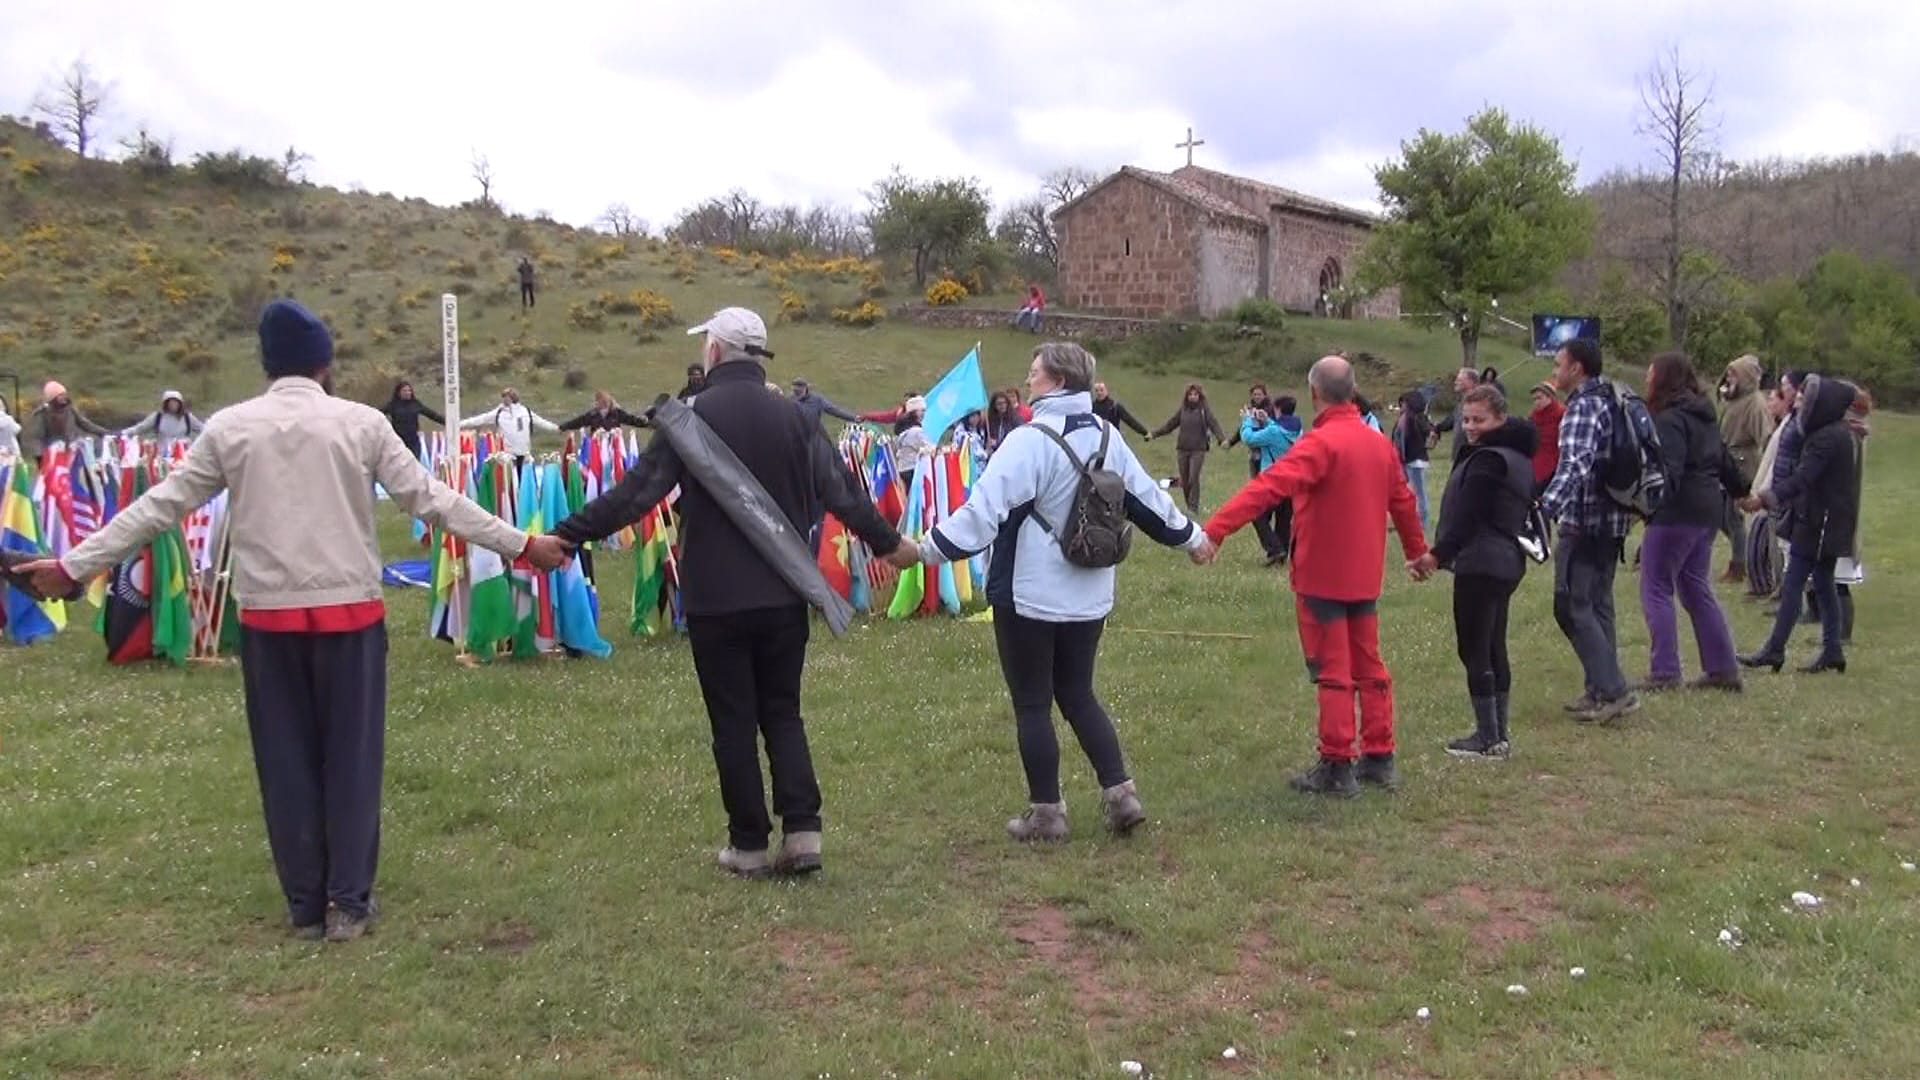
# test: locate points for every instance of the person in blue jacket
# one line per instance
(1271, 435)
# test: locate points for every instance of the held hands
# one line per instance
(1751, 504)
(905, 556)
(1206, 553)
(45, 579)
(1423, 567)
(547, 552)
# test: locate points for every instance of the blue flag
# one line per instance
(959, 392)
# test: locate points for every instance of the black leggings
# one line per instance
(1480, 628)
(1047, 662)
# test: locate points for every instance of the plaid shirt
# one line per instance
(1576, 497)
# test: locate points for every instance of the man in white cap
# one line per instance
(748, 626)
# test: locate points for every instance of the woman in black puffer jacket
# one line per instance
(1824, 492)
(1482, 515)
(404, 412)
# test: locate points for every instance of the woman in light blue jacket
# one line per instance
(1048, 613)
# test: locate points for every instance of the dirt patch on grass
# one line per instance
(512, 938)
(1721, 1042)
(813, 955)
(274, 1002)
(38, 1016)
(1051, 942)
(1495, 918)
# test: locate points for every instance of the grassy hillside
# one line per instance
(121, 284)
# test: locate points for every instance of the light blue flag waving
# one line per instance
(959, 392)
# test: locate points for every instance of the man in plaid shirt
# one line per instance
(1593, 531)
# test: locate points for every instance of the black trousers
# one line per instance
(749, 665)
(526, 295)
(317, 712)
(1480, 630)
(1274, 528)
(1048, 662)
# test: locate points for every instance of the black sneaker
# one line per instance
(1377, 769)
(1329, 777)
(1583, 704)
(1480, 745)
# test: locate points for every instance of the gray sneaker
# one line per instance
(1585, 703)
(799, 853)
(1042, 821)
(752, 865)
(1123, 808)
(343, 926)
(1606, 712)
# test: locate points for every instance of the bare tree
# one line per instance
(1062, 186)
(72, 105)
(483, 174)
(1675, 115)
(293, 166)
(619, 219)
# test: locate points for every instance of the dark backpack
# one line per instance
(1097, 534)
(1632, 469)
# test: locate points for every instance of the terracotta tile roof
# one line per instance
(1185, 190)
(1285, 198)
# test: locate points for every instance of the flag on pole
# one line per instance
(911, 592)
(26, 620)
(959, 392)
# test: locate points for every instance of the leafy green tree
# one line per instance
(928, 224)
(1632, 326)
(1473, 216)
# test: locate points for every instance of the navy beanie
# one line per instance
(293, 341)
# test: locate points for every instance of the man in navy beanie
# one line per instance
(300, 465)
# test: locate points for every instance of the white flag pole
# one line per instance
(453, 462)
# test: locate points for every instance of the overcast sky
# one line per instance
(658, 103)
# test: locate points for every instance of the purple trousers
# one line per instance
(1681, 556)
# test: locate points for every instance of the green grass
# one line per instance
(552, 908)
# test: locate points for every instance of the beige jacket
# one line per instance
(300, 466)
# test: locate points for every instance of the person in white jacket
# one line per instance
(172, 423)
(1048, 613)
(9, 433)
(515, 422)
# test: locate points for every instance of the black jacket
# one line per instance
(1413, 429)
(405, 414)
(1824, 489)
(1700, 473)
(1484, 509)
(595, 420)
(1110, 410)
(720, 572)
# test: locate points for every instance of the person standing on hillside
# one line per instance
(58, 421)
(525, 270)
(1482, 512)
(1345, 480)
(1108, 408)
(748, 627)
(1745, 428)
(816, 406)
(1269, 435)
(1546, 415)
(1048, 609)
(515, 423)
(172, 423)
(1593, 534)
(404, 411)
(605, 415)
(1195, 421)
(301, 466)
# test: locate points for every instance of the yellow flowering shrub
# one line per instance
(282, 262)
(655, 310)
(27, 168)
(793, 307)
(866, 314)
(946, 292)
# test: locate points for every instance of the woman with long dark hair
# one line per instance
(1195, 421)
(1824, 493)
(1002, 418)
(1678, 551)
(404, 412)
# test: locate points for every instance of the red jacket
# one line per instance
(1546, 457)
(1344, 479)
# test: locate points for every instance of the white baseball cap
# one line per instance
(739, 327)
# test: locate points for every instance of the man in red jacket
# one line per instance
(1344, 479)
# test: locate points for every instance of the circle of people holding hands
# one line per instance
(1054, 511)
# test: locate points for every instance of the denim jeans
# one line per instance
(1583, 606)
(1028, 319)
(1802, 569)
(1417, 480)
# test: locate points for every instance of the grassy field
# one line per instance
(552, 908)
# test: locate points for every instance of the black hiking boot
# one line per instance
(1485, 742)
(1329, 777)
(1502, 706)
(1377, 769)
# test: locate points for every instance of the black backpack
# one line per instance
(1632, 469)
(1097, 533)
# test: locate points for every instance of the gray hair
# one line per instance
(729, 352)
(1068, 362)
(1332, 378)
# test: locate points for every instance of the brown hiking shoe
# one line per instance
(799, 853)
(1042, 821)
(751, 865)
(1123, 808)
(343, 926)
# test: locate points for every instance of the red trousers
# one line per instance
(1342, 644)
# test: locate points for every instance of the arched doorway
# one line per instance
(1327, 297)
